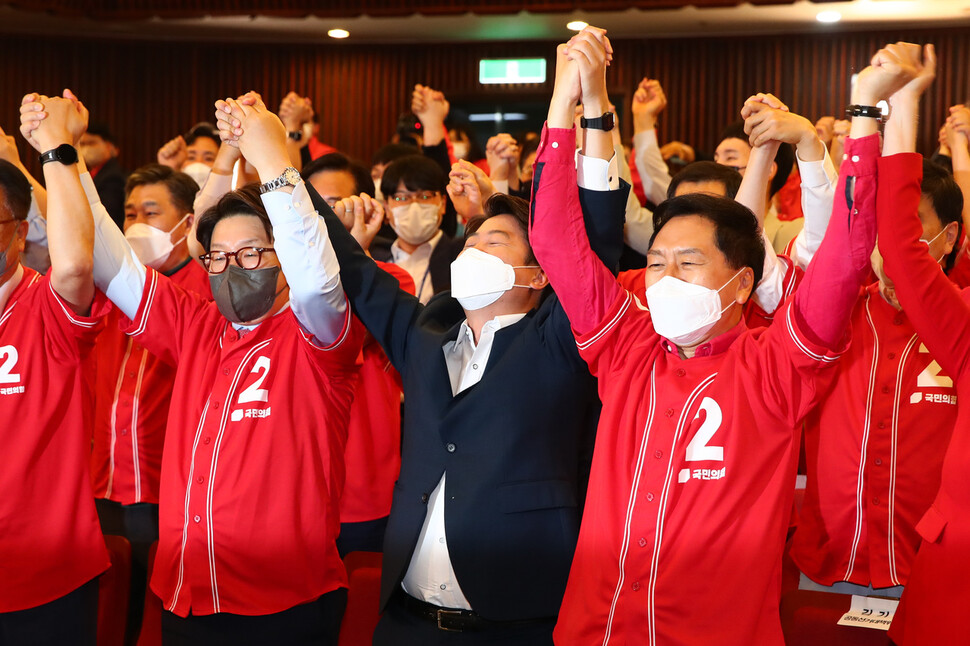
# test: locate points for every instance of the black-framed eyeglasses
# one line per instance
(216, 262)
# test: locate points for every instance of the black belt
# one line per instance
(456, 619)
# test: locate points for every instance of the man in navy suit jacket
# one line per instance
(499, 421)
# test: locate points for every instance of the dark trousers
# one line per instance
(71, 619)
(316, 623)
(399, 627)
(139, 524)
(365, 536)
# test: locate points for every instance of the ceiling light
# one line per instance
(577, 25)
(828, 16)
(338, 33)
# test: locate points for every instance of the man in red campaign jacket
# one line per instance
(691, 483)
(253, 456)
(132, 387)
(51, 548)
(937, 585)
(875, 444)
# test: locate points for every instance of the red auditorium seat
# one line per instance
(810, 617)
(113, 593)
(363, 598)
(151, 623)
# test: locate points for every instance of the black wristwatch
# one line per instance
(296, 135)
(65, 154)
(604, 123)
(868, 111)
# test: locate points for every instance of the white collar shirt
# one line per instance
(430, 576)
(417, 264)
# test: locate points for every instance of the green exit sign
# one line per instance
(512, 70)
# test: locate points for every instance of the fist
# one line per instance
(174, 153)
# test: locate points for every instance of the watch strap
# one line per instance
(868, 111)
(605, 122)
(65, 154)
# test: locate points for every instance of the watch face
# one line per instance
(291, 176)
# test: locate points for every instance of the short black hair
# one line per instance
(339, 162)
(16, 190)
(944, 193)
(502, 204)
(242, 201)
(736, 231)
(707, 171)
(418, 173)
(181, 187)
(390, 152)
(202, 129)
(784, 158)
(102, 130)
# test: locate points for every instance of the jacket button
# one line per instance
(681, 372)
(450, 447)
(424, 498)
(635, 586)
(878, 462)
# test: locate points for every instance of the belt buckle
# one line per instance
(445, 614)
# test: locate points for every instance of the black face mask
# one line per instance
(244, 294)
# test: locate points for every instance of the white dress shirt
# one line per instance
(417, 264)
(430, 575)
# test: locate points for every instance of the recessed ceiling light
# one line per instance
(338, 33)
(828, 16)
(577, 25)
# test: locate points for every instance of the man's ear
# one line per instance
(774, 170)
(952, 231)
(189, 221)
(746, 286)
(539, 281)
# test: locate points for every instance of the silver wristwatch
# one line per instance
(290, 177)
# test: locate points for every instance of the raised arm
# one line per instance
(825, 299)
(957, 129)
(930, 300)
(299, 236)
(649, 101)
(71, 233)
(585, 287)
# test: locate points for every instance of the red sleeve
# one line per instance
(930, 300)
(585, 287)
(342, 358)
(164, 314)
(67, 331)
(824, 301)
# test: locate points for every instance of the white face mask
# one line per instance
(478, 279)
(460, 148)
(684, 312)
(152, 246)
(932, 240)
(197, 171)
(415, 223)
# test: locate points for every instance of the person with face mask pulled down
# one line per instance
(415, 200)
(497, 429)
(694, 467)
(264, 376)
(133, 387)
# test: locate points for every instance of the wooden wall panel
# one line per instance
(151, 91)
